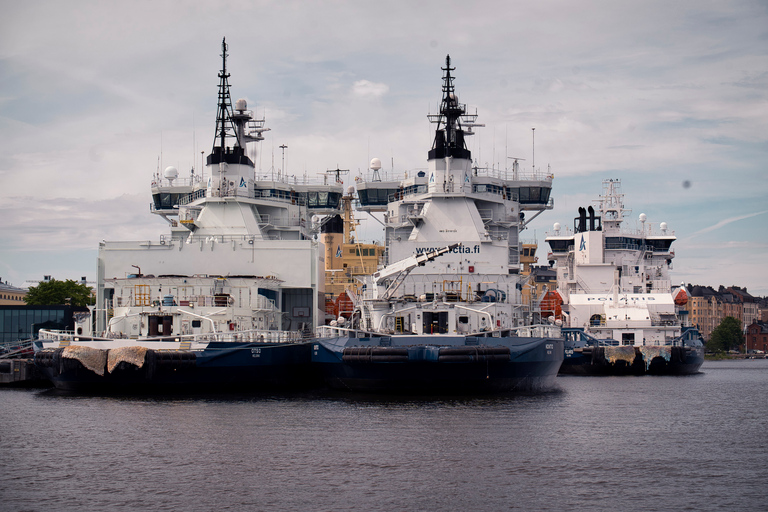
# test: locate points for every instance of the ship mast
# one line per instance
(224, 121)
(449, 134)
(225, 125)
(237, 123)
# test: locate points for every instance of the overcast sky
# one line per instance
(669, 97)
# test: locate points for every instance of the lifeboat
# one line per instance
(681, 297)
(552, 305)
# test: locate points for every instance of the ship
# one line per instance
(347, 258)
(619, 311)
(444, 313)
(227, 300)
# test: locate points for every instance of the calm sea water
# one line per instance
(636, 443)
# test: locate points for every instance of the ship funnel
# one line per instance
(591, 218)
(582, 225)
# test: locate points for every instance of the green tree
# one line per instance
(54, 293)
(726, 336)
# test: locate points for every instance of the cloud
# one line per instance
(367, 89)
(91, 99)
(725, 222)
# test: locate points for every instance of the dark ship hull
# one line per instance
(219, 367)
(439, 364)
(650, 360)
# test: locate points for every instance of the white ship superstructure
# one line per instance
(240, 254)
(614, 281)
(479, 212)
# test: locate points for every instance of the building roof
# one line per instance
(741, 293)
(5, 287)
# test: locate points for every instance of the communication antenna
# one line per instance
(515, 166)
(337, 172)
(533, 155)
(283, 147)
(194, 148)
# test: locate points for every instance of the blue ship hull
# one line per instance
(219, 367)
(438, 364)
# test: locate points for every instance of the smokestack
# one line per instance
(582, 220)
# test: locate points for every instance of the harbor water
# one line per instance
(596, 443)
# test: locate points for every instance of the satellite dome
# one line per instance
(375, 164)
(663, 226)
(241, 105)
(643, 217)
(350, 189)
(171, 173)
(556, 226)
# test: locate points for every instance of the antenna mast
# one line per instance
(224, 122)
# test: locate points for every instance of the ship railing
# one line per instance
(188, 198)
(228, 191)
(263, 180)
(528, 331)
(258, 303)
(489, 172)
(268, 195)
(332, 331)
(623, 245)
(251, 336)
(347, 272)
(266, 219)
(395, 219)
(500, 234)
(362, 269)
(176, 182)
(15, 349)
(581, 338)
(65, 335)
(538, 331)
(648, 231)
(221, 239)
(486, 215)
(664, 321)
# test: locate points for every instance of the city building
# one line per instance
(11, 295)
(757, 337)
(23, 322)
(708, 307)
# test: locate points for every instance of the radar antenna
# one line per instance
(338, 172)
